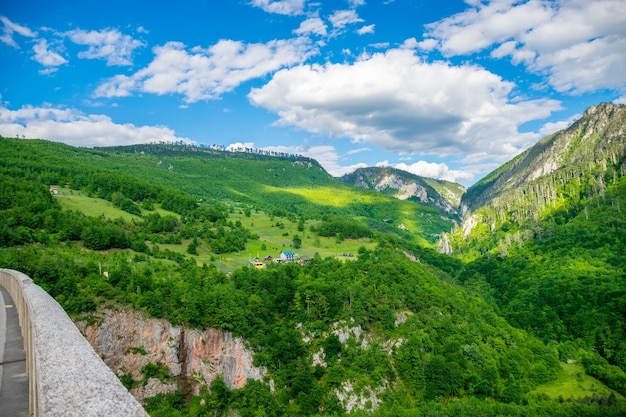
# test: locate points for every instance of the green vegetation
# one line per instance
(549, 251)
(400, 328)
(558, 270)
(155, 370)
(90, 206)
(573, 384)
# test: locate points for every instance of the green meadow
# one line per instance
(275, 234)
(95, 207)
(574, 383)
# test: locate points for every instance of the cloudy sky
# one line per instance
(448, 89)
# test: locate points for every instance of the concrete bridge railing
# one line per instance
(66, 376)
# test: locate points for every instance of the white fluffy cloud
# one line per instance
(45, 56)
(553, 127)
(108, 44)
(580, 44)
(342, 18)
(9, 28)
(205, 74)
(77, 129)
(437, 170)
(402, 104)
(285, 7)
(326, 155)
(366, 29)
(313, 25)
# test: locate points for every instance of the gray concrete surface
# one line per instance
(66, 377)
(13, 375)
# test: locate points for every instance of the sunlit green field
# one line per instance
(327, 196)
(573, 382)
(275, 234)
(91, 206)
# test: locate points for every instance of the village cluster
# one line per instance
(286, 256)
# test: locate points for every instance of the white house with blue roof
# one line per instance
(287, 256)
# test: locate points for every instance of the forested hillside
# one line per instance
(373, 322)
(547, 242)
(276, 185)
(569, 165)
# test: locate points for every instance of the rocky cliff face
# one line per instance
(127, 341)
(597, 138)
(442, 195)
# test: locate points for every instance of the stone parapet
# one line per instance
(66, 376)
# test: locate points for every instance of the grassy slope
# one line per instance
(269, 184)
(275, 238)
(265, 184)
(276, 184)
(573, 382)
(91, 206)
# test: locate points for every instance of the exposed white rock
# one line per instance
(319, 358)
(547, 167)
(365, 399)
(391, 345)
(412, 257)
(468, 224)
(128, 340)
(402, 316)
(343, 331)
(444, 245)
(305, 336)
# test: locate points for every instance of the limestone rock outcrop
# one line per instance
(128, 340)
(438, 194)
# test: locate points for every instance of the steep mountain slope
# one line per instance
(560, 277)
(275, 184)
(596, 140)
(384, 332)
(545, 238)
(442, 195)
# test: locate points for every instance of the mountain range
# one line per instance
(524, 312)
(597, 138)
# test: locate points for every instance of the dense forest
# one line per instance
(482, 332)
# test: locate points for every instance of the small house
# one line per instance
(287, 256)
(257, 263)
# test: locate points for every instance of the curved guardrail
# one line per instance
(66, 376)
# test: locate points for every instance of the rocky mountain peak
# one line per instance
(597, 137)
(445, 196)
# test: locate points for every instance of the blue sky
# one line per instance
(446, 89)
